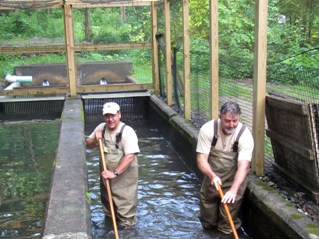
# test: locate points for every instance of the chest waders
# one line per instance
(224, 165)
(123, 187)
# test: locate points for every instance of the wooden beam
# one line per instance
(260, 64)
(131, 3)
(32, 4)
(117, 95)
(78, 48)
(102, 47)
(124, 87)
(214, 86)
(155, 66)
(30, 99)
(113, 88)
(186, 61)
(168, 53)
(70, 51)
(35, 91)
(13, 50)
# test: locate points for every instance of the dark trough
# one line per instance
(266, 214)
(88, 73)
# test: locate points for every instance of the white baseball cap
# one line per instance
(111, 108)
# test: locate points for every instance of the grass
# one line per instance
(142, 72)
(9, 62)
(301, 92)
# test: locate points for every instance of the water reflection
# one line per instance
(167, 193)
(26, 164)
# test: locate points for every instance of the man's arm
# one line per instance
(93, 140)
(125, 163)
(204, 167)
(90, 142)
(240, 176)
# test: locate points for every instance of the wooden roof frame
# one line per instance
(43, 4)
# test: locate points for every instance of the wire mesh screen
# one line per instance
(32, 35)
(39, 32)
(124, 31)
(132, 108)
(32, 27)
(236, 62)
(234, 84)
(29, 4)
(26, 110)
(120, 25)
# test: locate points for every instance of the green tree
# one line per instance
(304, 15)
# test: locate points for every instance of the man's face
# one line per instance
(229, 122)
(112, 120)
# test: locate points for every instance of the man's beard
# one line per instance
(229, 131)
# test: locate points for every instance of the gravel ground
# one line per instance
(290, 192)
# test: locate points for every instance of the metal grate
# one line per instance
(26, 110)
(132, 108)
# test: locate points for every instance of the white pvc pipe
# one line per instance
(19, 79)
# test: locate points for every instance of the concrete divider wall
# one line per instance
(68, 211)
(265, 213)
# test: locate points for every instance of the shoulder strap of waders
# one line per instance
(235, 145)
(214, 141)
(103, 132)
(118, 136)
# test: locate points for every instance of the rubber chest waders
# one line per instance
(224, 164)
(123, 187)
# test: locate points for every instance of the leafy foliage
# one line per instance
(293, 35)
(24, 24)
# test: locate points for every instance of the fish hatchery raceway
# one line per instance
(273, 181)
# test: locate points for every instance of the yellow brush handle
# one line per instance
(108, 190)
(228, 213)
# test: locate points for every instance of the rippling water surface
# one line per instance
(167, 193)
(27, 154)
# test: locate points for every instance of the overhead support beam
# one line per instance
(46, 4)
(131, 3)
(260, 64)
(78, 48)
(214, 67)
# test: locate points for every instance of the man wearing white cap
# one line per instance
(120, 148)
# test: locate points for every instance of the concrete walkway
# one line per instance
(68, 213)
